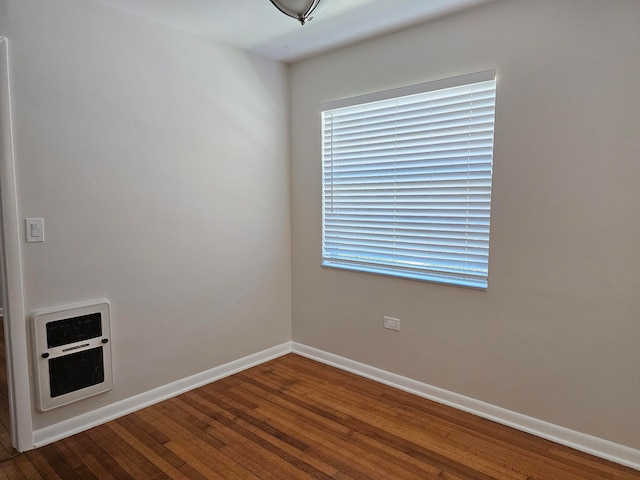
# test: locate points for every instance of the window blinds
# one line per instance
(406, 178)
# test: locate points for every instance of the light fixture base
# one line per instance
(301, 10)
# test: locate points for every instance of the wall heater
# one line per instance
(72, 352)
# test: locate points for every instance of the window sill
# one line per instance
(423, 277)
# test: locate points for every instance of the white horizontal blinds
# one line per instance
(407, 184)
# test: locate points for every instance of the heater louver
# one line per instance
(76, 371)
(72, 352)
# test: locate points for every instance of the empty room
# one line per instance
(320, 239)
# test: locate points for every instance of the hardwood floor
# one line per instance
(294, 418)
(6, 450)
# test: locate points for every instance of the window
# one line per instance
(406, 181)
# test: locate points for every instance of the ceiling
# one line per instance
(257, 26)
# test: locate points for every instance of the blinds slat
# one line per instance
(407, 184)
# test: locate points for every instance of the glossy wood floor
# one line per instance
(6, 450)
(294, 418)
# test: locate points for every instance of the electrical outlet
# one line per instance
(391, 323)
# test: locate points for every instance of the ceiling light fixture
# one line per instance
(301, 10)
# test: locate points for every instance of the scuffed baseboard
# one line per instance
(598, 447)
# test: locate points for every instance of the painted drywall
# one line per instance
(555, 335)
(160, 164)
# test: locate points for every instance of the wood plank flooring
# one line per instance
(6, 450)
(294, 418)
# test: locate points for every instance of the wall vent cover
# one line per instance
(72, 349)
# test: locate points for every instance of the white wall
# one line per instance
(160, 164)
(556, 334)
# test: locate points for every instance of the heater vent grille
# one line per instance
(72, 352)
(76, 329)
(76, 371)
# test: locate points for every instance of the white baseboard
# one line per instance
(598, 447)
(102, 415)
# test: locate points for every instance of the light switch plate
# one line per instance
(34, 229)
